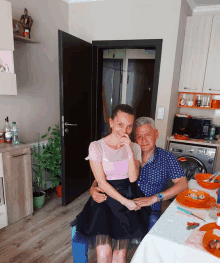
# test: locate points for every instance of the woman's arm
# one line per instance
(98, 172)
(133, 164)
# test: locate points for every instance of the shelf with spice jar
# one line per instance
(199, 100)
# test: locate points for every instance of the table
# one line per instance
(165, 242)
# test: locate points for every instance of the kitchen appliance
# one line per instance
(194, 158)
(181, 125)
(217, 132)
(199, 127)
(2, 201)
(194, 127)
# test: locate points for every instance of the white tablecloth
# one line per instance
(165, 242)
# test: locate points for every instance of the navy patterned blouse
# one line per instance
(155, 173)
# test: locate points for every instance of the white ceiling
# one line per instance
(196, 5)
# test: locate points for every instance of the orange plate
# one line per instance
(181, 137)
(209, 226)
(181, 199)
(209, 236)
(200, 177)
(197, 192)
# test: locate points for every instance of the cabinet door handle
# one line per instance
(190, 88)
(214, 89)
(18, 155)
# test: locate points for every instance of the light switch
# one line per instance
(160, 113)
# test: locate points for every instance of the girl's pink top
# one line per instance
(114, 162)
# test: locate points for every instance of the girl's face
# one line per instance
(121, 124)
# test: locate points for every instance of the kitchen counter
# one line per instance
(7, 147)
(196, 141)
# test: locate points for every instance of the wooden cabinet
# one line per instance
(195, 52)
(18, 182)
(212, 76)
(8, 84)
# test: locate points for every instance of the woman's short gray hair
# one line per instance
(143, 120)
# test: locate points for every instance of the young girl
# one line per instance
(115, 163)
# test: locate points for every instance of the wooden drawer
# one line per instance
(18, 184)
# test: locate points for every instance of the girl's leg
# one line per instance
(120, 251)
(120, 256)
(104, 249)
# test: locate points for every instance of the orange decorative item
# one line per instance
(182, 200)
(26, 33)
(209, 237)
(207, 185)
(59, 190)
(181, 137)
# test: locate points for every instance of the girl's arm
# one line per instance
(98, 172)
(133, 164)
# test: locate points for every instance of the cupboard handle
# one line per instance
(190, 88)
(214, 89)
(18, 155)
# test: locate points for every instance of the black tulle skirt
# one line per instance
(101, 223)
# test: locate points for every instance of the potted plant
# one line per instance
(52, 154)
(47, 159)
(39, 182)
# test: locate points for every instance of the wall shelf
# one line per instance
(25, 40)
(213, 104)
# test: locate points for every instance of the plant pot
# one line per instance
(59, 190)
(39, 200)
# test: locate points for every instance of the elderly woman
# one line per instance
(115, 163)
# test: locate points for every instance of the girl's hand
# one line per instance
(124, 140)
(131, 205)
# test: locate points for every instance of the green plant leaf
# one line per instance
(44, 136)
(49, 128)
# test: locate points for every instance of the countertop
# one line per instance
(197, 141)
(7, 147)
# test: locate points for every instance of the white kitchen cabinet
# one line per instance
(8, 84)
(6, 28)
(212, 76)
(195, 52)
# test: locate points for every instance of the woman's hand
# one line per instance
(131, 205)
(124, 140)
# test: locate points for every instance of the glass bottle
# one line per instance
(7, 132)
(14, 130)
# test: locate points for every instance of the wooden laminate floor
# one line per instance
(45, 236)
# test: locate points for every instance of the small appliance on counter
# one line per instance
(217, 132)
(181, 125)
(200, 127)
(194, 127)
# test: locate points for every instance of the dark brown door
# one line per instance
(75, 69)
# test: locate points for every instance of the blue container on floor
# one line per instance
(79, 247)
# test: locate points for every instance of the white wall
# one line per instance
(139, 19)
(173, 107)
(37, 104)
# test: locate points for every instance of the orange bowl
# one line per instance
(207, 185)
(196, 192)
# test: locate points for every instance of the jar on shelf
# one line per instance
(198, 100)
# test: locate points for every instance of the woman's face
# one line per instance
(121, 124)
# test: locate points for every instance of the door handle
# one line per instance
(69, 124)
(214, 89)
(18, 155)
(190, 88)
